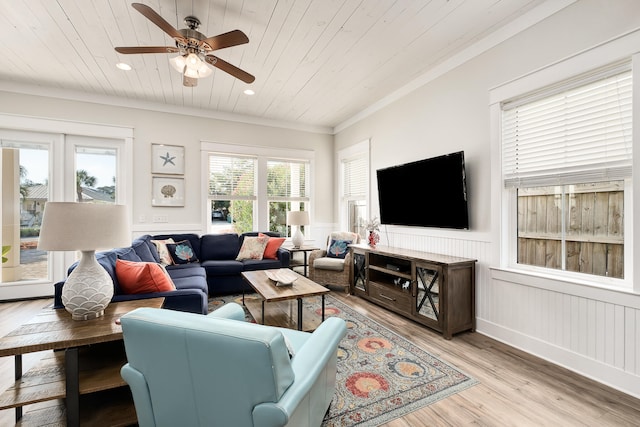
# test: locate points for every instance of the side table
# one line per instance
(88, 364)
(304, 263)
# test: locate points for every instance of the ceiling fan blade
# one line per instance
(231, 69)
(221, 41)
(147, 49)
(152, 16)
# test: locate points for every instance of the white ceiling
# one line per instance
(316, 62)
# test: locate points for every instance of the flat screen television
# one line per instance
(425, 193)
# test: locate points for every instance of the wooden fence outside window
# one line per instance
(593, 217)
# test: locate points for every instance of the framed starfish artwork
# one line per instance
(167, 159)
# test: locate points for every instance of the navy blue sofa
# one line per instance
(216, 273)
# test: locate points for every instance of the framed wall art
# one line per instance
(167, 191)
(167, 159)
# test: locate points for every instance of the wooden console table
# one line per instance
(86, 374)
(433, 289)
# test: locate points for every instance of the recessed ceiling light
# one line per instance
(123, 66)
(249, 92)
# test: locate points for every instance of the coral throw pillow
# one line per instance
(142, 277)
(163, 252)
(252, 248)
(273, 245)
(182, 252)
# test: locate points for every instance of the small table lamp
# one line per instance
(85, 227)
(298, 218)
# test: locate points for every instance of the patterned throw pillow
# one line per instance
(163, 252)
(182, 252)
(338, 248)
(253, 248)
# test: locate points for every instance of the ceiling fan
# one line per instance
(194, 48)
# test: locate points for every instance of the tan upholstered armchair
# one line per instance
(330, 271)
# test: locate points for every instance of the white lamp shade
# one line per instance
(69, 226)
(298, 218)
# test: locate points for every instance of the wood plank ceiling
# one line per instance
(316, 62)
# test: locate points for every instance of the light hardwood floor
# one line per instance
(515, 388)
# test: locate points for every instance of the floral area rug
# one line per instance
(381, 376)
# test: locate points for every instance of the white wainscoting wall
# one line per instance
(589, 330)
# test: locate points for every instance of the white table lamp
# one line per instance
(85, 227)
(298, 219)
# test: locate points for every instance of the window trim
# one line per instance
(360, 149)
(263, 154)
(72, 142)
(624, 46)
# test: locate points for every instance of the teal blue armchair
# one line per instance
(191, 370)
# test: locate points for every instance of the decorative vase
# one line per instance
(88, 289)
(373, 238)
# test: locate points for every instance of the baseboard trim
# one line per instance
(19, 291)
(606, 374)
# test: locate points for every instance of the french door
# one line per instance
(37, 167)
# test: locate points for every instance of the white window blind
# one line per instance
(355, 178)
(573, 134)
(287, 180)
(232, 177)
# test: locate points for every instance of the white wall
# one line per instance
(181, 129)
(594, 332)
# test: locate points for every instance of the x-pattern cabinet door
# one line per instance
(359, 272)
(429, 293)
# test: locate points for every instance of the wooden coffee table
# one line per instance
(270, 293)
(89, 366)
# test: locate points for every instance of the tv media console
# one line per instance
(433, 289)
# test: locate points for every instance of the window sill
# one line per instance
(570, 286)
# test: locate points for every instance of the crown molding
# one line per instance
(114, 101)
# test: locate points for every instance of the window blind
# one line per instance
(577, 135)
(355, 178)
(287, 179)
(232, 177)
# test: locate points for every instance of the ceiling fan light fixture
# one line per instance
(203, 69)
(193, 62)
(178, 63)
(191, 66)
(191, 73)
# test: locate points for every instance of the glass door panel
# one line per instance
(357, 217)
(25, 190)
(359, 272)
(96, 172)
(428, 283)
